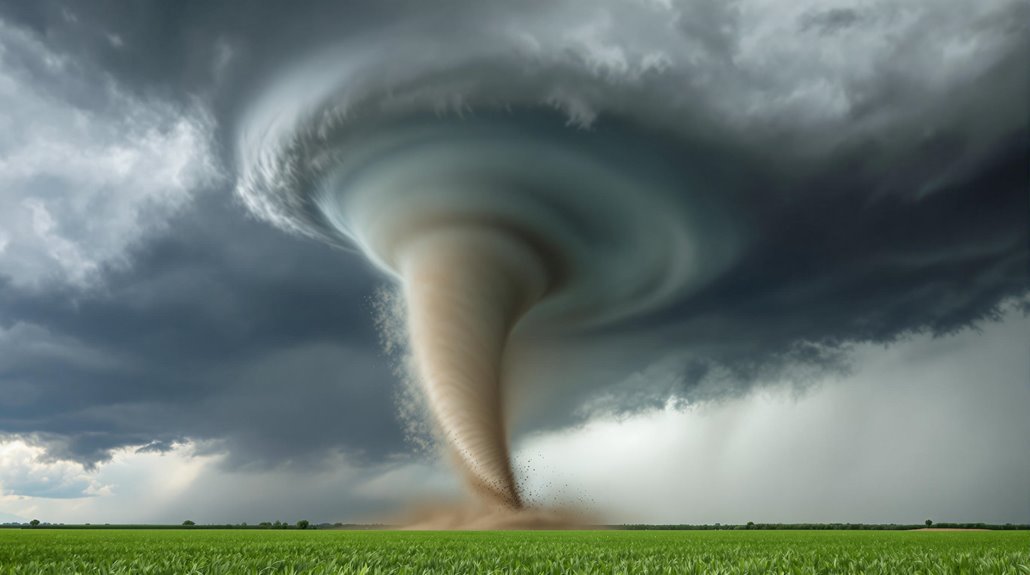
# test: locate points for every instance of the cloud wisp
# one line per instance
(87, 172)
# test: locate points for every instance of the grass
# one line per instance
(372, 552)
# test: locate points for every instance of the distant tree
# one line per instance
(34, 523)
(188, 523)
(303, 524)
(929, 522)
(750, 524)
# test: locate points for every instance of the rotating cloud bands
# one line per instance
(500, 218)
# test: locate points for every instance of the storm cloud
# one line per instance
(873, 158)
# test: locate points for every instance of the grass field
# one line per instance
(367, 552)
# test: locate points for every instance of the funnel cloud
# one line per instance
(497, 228)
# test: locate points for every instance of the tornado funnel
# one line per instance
(465, 289)
(497, 226)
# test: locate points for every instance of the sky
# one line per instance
(181, 337)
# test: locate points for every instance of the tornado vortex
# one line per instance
(499, 217)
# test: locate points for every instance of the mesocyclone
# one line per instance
(499, 212)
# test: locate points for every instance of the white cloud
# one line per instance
(190, 482)
(26, 471)
(131, 487)
(928, 428)
(86, 167)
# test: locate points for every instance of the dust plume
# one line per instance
(473, 517)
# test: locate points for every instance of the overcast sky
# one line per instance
(164, 353)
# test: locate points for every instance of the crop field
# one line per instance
(367, 552)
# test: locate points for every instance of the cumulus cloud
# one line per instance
(27, 470)
(190, 481)
(87, 167)
(131, 488)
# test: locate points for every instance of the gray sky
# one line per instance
(862, 359)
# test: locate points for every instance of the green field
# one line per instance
(317, 552)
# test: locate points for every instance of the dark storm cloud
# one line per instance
(223, 329)
(830, 21)
(220, 329)
(907, 212)
(836, 265)
(220, 51)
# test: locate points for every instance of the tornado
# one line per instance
(499, 214)
(466, 287)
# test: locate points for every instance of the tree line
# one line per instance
(188, 524)
(826, 526)
(305, 524)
